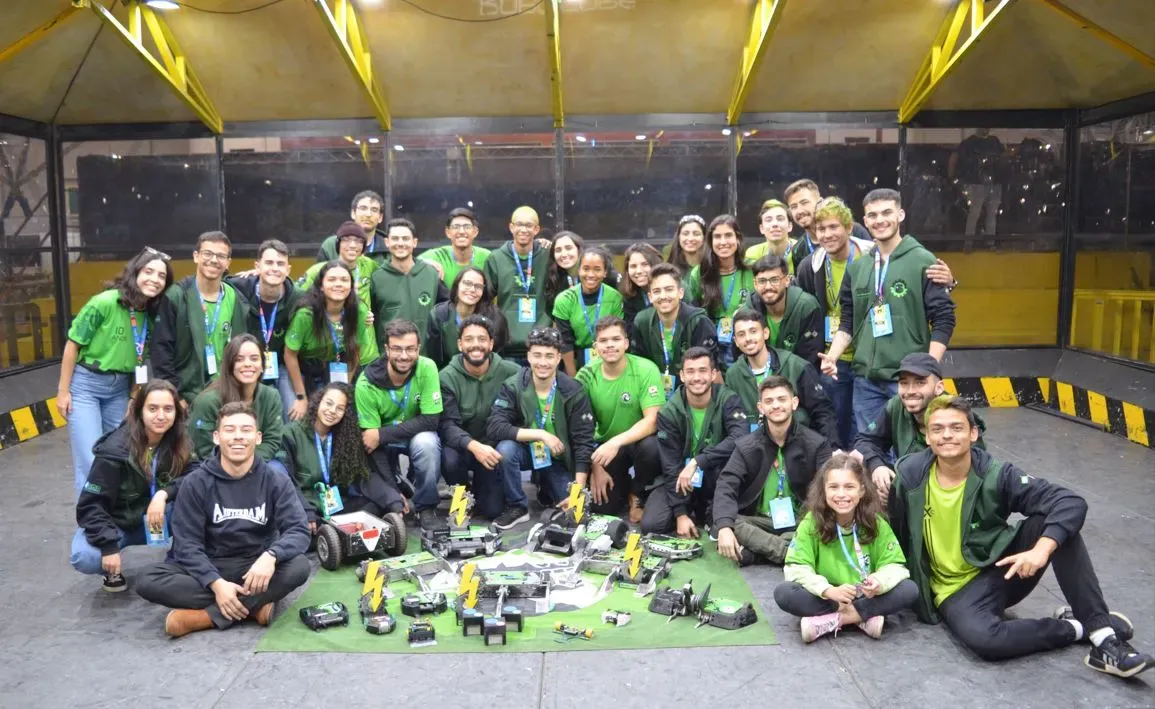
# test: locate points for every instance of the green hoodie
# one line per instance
(895, 427)
(443, 256)
(801, 329)
(692, 328)
(506, 278)
(410, 296)
(202, 421)
(468, 400)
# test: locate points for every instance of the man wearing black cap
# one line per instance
(901, 425)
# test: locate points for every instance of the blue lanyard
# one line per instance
(730, 293)
(597, 310)
(404, 400)
(525, 277)
(829, 275)
(457, 318)
(809, 243)
(646, 298)
(138, 337)
(324, 456)
(211, 327)
(338, 345)
(880, 269)
(548, 406)
(152, 482)
(863, 566)
(781, 468)
(665, 349)
(267, 327)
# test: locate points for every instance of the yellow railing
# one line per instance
(1118, 316)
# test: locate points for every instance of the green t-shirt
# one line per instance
(377, 407)
(301, 339)
(942, 530)
(762, 248)
(736, 289)
(103, 330)
(443, 256)
(544, 406)
(362, 272)
(774, 324)
(829, 561)
(833, 307)
(569, 307)
(770, 489)
(697, 420)
(618, 403)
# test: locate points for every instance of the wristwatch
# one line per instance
(300, 397)
(271, 553)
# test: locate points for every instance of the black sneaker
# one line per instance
(114, 583)
(428, 519)
(1120, 623)
(1116, 657)
(511, 517)
(746, 557)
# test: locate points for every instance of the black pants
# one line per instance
(382, 485)
(795, 600)
(974, 613)
(170, 585)
(643, 457)
(659, 515)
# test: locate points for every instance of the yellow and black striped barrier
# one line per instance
(29, 422)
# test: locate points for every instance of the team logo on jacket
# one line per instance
(788, 342)
(256, 515)
(899, 289)
(227, 328)
(424, 299)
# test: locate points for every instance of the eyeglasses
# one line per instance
(211, 256)
(153, 252)
(524, 225)
(460, 227)
(396, 351)
(774, 281)
(470, 285)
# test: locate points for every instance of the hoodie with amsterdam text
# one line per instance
(217, 516)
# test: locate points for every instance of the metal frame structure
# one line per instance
(767, 14)
(344, 25)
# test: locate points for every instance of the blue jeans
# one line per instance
(870, 397)
(841, 393)
(285, 389)
(553, 481)
(487, 487)
(85, 558)
(99, 402)
(424, 452)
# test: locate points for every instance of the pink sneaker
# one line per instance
(873, 626)
(815, 626)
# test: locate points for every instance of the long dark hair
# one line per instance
(557, 278)
(230, 389)
(349, 463)
(625, 284)
(710, 269)
(485, 307)
(865, 515)
(314, 299)
(175, 440)
(677, 256)
(130, 296)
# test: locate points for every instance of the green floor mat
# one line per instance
(645, 631)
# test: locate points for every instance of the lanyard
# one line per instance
(138, 337)
(853, 255)
(541, 415)
(404, 403)
(528, 275)
(809, 243)
(324, 455)
(781, 468)
(457, 318)
(152, 482)
(863, 566)
(666, 348)
(211, 327)
(646, 298)
(761, 374)
(730, 293)
(880, 269)
(338, 344)
(597, 310)
(267, 327)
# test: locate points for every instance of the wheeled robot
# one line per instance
(346, 537)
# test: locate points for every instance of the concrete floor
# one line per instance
(64, 642)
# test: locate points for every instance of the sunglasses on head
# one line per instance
(159, 254)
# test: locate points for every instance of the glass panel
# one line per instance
(990, 203)
(27, 295)
(1114, 308)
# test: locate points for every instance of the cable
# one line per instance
(76, 73)
(227, 12)
(427, 11)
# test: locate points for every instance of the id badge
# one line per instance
(696, 478)
(831, 328)
(540, 454)
(754, 426)
(668, 385)
(338, 373)
(331, 502)
(526, 310)
(142, 374)
(726, 330)
(272, 367)
(156, 537)
(210, 360)
(880, 322)
(782, 513)
(587, 355)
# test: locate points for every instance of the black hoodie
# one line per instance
(286, 306)
(220, 517)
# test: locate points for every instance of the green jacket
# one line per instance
(516, 407)
(504, 277)
(467, 400)
(920, 311)
(815, 409)
(178, 345)
(692, 328)
(994, 490)
(896, 428)
(410, 296)
(802, 328)
(202, 421)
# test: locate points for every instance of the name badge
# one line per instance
(540, 454)
(526, 310)
(668, 385)
(587, 355)
(831, 328)
(754, 426)
(156, 537)
(782, 513)
(696, 478)
(272, 367)
(331, 502)
(210, 360)
(142, 374)
(726, 330)
(338, 373)
(880, 322)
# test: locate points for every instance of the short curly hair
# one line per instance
(834, 208)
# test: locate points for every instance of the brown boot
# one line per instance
(182, 621)
(264, 614)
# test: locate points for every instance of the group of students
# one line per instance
(716, 390)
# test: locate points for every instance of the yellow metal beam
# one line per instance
(37, 34)
(175, 69)
(1110, 38)
(946, 52)
(345, 27)
(553, 47)
(767, 13)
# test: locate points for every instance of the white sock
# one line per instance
(1078, 628)
(1098, 636)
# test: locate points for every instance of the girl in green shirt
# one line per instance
(844, 565)
(109, 340)
(329, 337)
(577, 309)
(722, 283)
